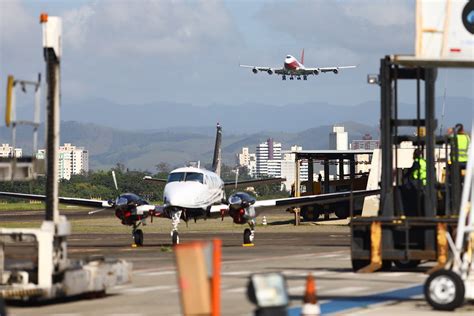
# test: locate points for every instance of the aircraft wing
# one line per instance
(312, 71)
(311, 199)
(148, 178)
(63, 200)
(270, 70)
(248, 183)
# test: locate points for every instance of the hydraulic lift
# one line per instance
(46, 272)
(411, 225)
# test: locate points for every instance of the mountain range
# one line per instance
(141, 136)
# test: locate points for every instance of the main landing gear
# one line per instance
(137, 235)
(283, 77)
(249, 234)
(305, 77)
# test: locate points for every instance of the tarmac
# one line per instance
(323, 250)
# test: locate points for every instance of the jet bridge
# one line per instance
(33, 262)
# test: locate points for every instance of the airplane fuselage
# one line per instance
(193, 189)
(291, 64)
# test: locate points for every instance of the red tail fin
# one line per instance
(302, 57)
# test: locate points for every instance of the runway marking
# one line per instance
(149, 289)
(344, 304)
(156, 273)
(236, 273)
(347, 289)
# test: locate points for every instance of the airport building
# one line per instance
(268, 162)
(338, 140)
(7, 151)
(288, 168)
(365, 143)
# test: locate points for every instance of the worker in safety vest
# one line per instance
(462, 141)
(418, 168)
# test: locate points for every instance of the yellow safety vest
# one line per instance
(463, 144)
(421, 171)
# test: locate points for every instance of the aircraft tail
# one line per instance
(302, 57)
(216, 162)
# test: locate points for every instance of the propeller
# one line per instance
(97, 211)
(115, 180)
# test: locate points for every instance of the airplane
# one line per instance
(294, 68)
(196, 193)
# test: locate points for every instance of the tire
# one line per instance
(175, 238)
(358, 264)
(406, 264)
(138, 237)
(3, 311)
(444, 290)
(341, 213)
(386, 265)
(308, 214)
(247, 234)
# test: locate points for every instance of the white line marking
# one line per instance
(236, 273)
(158, 273)
(150, 288)
(348, 289)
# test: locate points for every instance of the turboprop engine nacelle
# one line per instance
(316, 72)
(270, 72)
(241, 207)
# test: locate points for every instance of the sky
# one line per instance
(145, 52)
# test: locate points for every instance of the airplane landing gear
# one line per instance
(291, 78)
(283, 77)
(249, 234)
(138, 237)
(175, 219)
(305, 77)
(299, 78)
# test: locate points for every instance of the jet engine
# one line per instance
(255, 70)
(335, 71)
(270, 72)
(316, 72)
(241, 207)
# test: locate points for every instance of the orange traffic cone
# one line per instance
(310, 306)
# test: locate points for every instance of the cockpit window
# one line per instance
(288, 56)
(194, 176)
(176, 176)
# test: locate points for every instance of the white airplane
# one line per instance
(195, 193)
(293, 68)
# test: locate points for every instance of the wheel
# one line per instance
(386, 265)
(247, 236)
(406, 264)
(358, 264)
(444, 290)
(341, 213)
(138, 237)
(308, 214)
(175, 237)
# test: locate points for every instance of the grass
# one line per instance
(35, 206)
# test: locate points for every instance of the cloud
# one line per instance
(148, 28)
(363, 27)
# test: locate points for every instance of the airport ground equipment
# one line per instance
(33, 262)
(411, 224)
(344, 182)
(448, 288)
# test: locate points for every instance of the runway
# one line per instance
(323, 251)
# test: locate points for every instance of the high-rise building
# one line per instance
(71, 160)
(246, 159)
(268, 156)
(7, 151)
(338, 140)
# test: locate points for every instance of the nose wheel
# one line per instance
(138, 237)
(283, 77)
(175, 237)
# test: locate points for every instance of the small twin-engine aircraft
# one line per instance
(195, 193)
(293, 68)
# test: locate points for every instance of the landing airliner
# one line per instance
(294, 68)
(195, 193)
